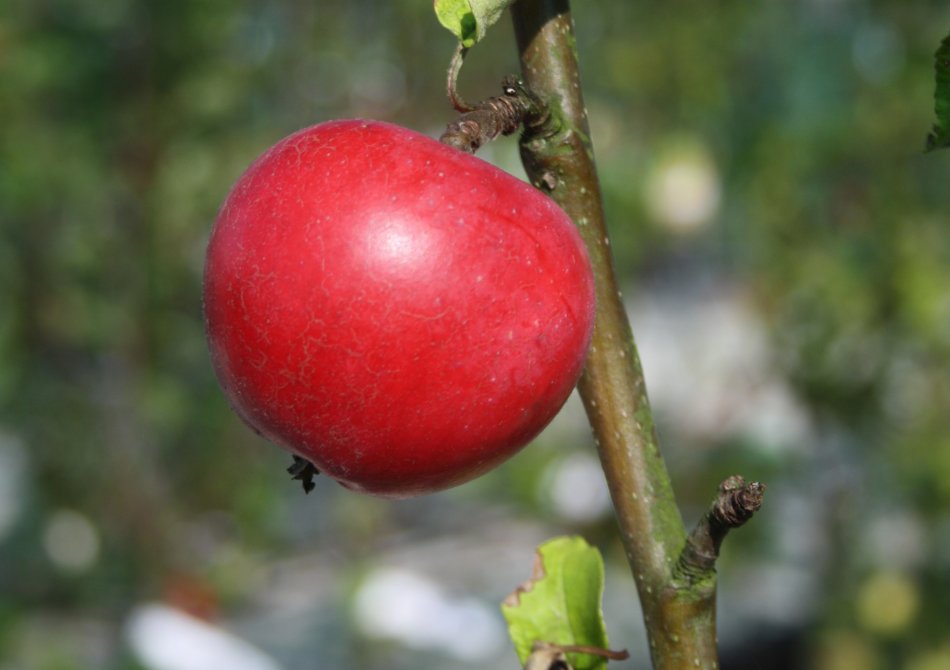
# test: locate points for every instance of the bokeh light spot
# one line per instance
(71, 541)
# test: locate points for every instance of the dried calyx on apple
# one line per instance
(399, 315)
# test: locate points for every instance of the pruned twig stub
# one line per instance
(736, 503)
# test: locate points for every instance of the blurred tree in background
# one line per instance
(786, 248)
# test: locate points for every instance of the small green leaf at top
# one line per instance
(469, 20)
(561, 602)
(940, 137)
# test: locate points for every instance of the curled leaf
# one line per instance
(469, 20)
(560, 603)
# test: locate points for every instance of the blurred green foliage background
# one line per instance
(786, 251)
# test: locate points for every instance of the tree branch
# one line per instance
(679, 615)
(612, 386)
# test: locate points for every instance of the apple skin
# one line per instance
(403, 315)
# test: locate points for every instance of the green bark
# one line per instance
(680, 616)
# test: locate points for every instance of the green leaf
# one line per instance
(940, 137)
(560, 603)
(468, 20)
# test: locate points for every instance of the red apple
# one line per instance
(403, 315)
